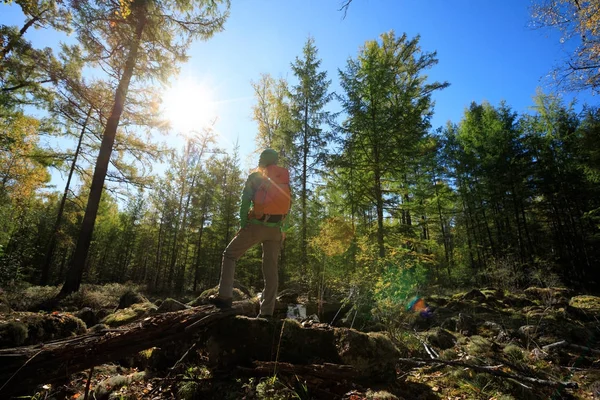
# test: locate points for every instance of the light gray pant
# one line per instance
(252, 234)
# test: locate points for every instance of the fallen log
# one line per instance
(22, 368)
(492, 370)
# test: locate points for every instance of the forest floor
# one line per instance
(540, 343)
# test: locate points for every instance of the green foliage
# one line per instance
(274, 389)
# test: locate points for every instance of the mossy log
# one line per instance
(22, 368)
(326, 371)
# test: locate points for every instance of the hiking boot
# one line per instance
(219, 302)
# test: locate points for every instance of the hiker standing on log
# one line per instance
(266, 202)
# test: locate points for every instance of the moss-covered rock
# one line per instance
(104, 389)
(465, 324)
(584, 307)
(130, 314)
(130, 298)
(4, 304)
(33, 328)
(13, 334)
(441, 338)
(517, 301)
(170, 305)
(474, 295)
(238, 295)
(548, 296)
(372, 354)
(288, 296)
(88, 316)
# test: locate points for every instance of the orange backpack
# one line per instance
(273, 196)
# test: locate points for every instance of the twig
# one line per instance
(492, 370)
(278, 348)
(20, 368)
(173, 367)
(87, 386)
(564, 343)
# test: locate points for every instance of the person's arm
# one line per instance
(247, 196)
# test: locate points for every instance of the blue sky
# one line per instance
(487, 51)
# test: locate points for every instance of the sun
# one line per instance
(189, 105)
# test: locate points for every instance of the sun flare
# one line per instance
(189, 105)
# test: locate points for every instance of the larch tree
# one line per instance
(140, 40)
(578, 22)
(309, 100)
(388, 103)
(272, 115)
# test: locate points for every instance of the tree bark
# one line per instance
(75, 272)
(25, 367)
(61, 207)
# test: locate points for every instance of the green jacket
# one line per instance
(252, 184)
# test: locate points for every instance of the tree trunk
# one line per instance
(305, 151)
(25, 367)
(61, 207)
(75, 272)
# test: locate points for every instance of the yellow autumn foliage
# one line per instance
(20, 174)
(335, 237)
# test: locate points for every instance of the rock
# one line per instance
(170, 305)
(528, 332)
(238, 295)
(465, 324)
(33, 328)
(548, 296)
(436, 301)
(474, 295)
(106, 388)
(373, 354)
(101, 314)
(517, 301)
(98, 328)
(88, 316)
(5, 307)
(586, 308)
(441, 338)
(538, 354)
(288, 296)
(13, 334)
(130, 314)
(493, 327)
(450, 324)
(130, 298)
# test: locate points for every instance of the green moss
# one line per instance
(479, 346)
(12, 334)
(380, 395)
(514, 353)
(588, 303)
(130, 314)
(114, 383)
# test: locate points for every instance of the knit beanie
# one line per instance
(268, 157)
